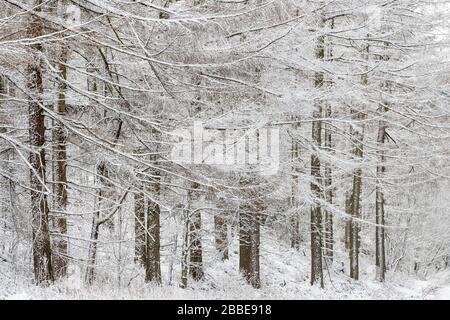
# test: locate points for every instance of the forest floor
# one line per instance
(439, 286)
(284, 275)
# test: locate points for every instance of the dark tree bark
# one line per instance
(139, 228)
(293, 200)
(250, 214)
(380, 251)
(153, 263)
(192, 254)
(357, 134)
(42, 256)
(316, 212)
(348, 210)
(380, 254)
(92, 255)
(316, 179)
(195, 229)
(3, 90)
(355, 207)
(185, 248)
(328, 216)
(60, 254)
(221, 229)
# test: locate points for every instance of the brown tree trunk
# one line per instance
(92, 255)
(250, 212)
(153, 263)
(355, 207)
(3, 93)
(221, 229)
(293, 200)
(348, 223)
(195, 228)
(221, 236)
(139, 228)
(316, 212)
(380, 259)
(316, 179)
(42, 256)
(59, 223)
(185, 248)
(328, 217)
(357, 135)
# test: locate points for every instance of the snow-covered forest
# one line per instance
(230, 149)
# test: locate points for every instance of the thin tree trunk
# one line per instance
(221, 235)
(328, 217)
(153, 227)
(42, 256)
(293, 202)
(221, 229)
(354, 247)
(245, 243)
(348, 221)
(358, 145)
(380, 251)
(102, 172)
(185, 248)
(92, 255)
(328, 181)
(153, 263)
(316, 180)
(139, 228)
(316, 212)
(195, 228)
(3, 94)
(59, 222)
(255, 237)
(380, 254)
(172, 258)
(249, 232)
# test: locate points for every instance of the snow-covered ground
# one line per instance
(284, 275)
(438, 287)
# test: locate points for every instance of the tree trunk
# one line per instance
(328, 217)
(185, 248)
(348, 221)
(316, 183)
(221, 236)
(221, 229)
(59, 223)
(139, 228)
(102, 172)
(293, 200)
(92, 255)
(42, 257)
(250, 212)
(316, 212)
(355, 208)
(195, 229)
(357, 134)
(328, 181)
(3, 94)
(380, 262)
(380, 252)
(153, 264)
